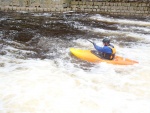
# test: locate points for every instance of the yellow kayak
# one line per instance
(87, 55)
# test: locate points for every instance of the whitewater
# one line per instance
(39, 75)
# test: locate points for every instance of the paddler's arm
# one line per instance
(100, 49)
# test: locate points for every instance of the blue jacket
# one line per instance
(104, 49)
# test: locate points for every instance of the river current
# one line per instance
(39, 75)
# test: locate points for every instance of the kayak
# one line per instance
(88, 55)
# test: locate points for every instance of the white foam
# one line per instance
(129, 28)
(43, 14)
(128, 33)
(41, 85)
(120, 21)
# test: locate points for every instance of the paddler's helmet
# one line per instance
(106, 40)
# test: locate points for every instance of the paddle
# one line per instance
(91, 41)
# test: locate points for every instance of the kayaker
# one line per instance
(106, 52)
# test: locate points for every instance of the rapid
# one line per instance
(39, 75)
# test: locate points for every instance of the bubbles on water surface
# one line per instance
(40, 74)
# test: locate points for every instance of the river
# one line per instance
(39, 75)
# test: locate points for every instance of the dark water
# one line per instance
(39, 34)
(43, 35)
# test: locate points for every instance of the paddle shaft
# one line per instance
(90, 41)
